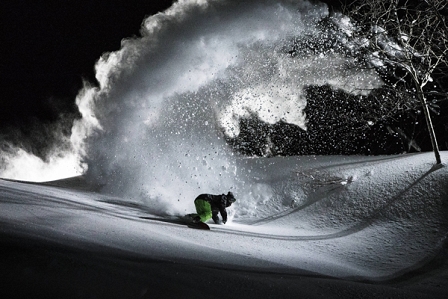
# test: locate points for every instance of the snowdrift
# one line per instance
(336, 226)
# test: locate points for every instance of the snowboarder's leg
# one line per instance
(193, 217)
(203, 209)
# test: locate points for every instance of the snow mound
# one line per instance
(377, 219)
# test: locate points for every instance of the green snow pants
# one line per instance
(203, 209)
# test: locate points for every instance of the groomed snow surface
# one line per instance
(357, 227)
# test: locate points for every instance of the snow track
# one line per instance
(342, 229)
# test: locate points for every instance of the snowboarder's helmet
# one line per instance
(230, 197)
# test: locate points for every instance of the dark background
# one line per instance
(50, 46)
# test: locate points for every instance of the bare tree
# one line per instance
(408, 42)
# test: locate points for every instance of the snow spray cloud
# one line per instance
(155, 126)
(19, 164)
(54, 158)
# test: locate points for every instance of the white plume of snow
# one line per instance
(154, 128)
(22, 165)
(165, 99)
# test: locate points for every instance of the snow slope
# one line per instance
(335, 227)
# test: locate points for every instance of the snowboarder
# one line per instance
(208, 206)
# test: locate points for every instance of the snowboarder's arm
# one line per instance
(215, 216)
(223, 212)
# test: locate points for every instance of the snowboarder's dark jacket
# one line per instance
(218, 203)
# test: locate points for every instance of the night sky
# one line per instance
(50, 46)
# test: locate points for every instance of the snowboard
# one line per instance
(189, 220)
